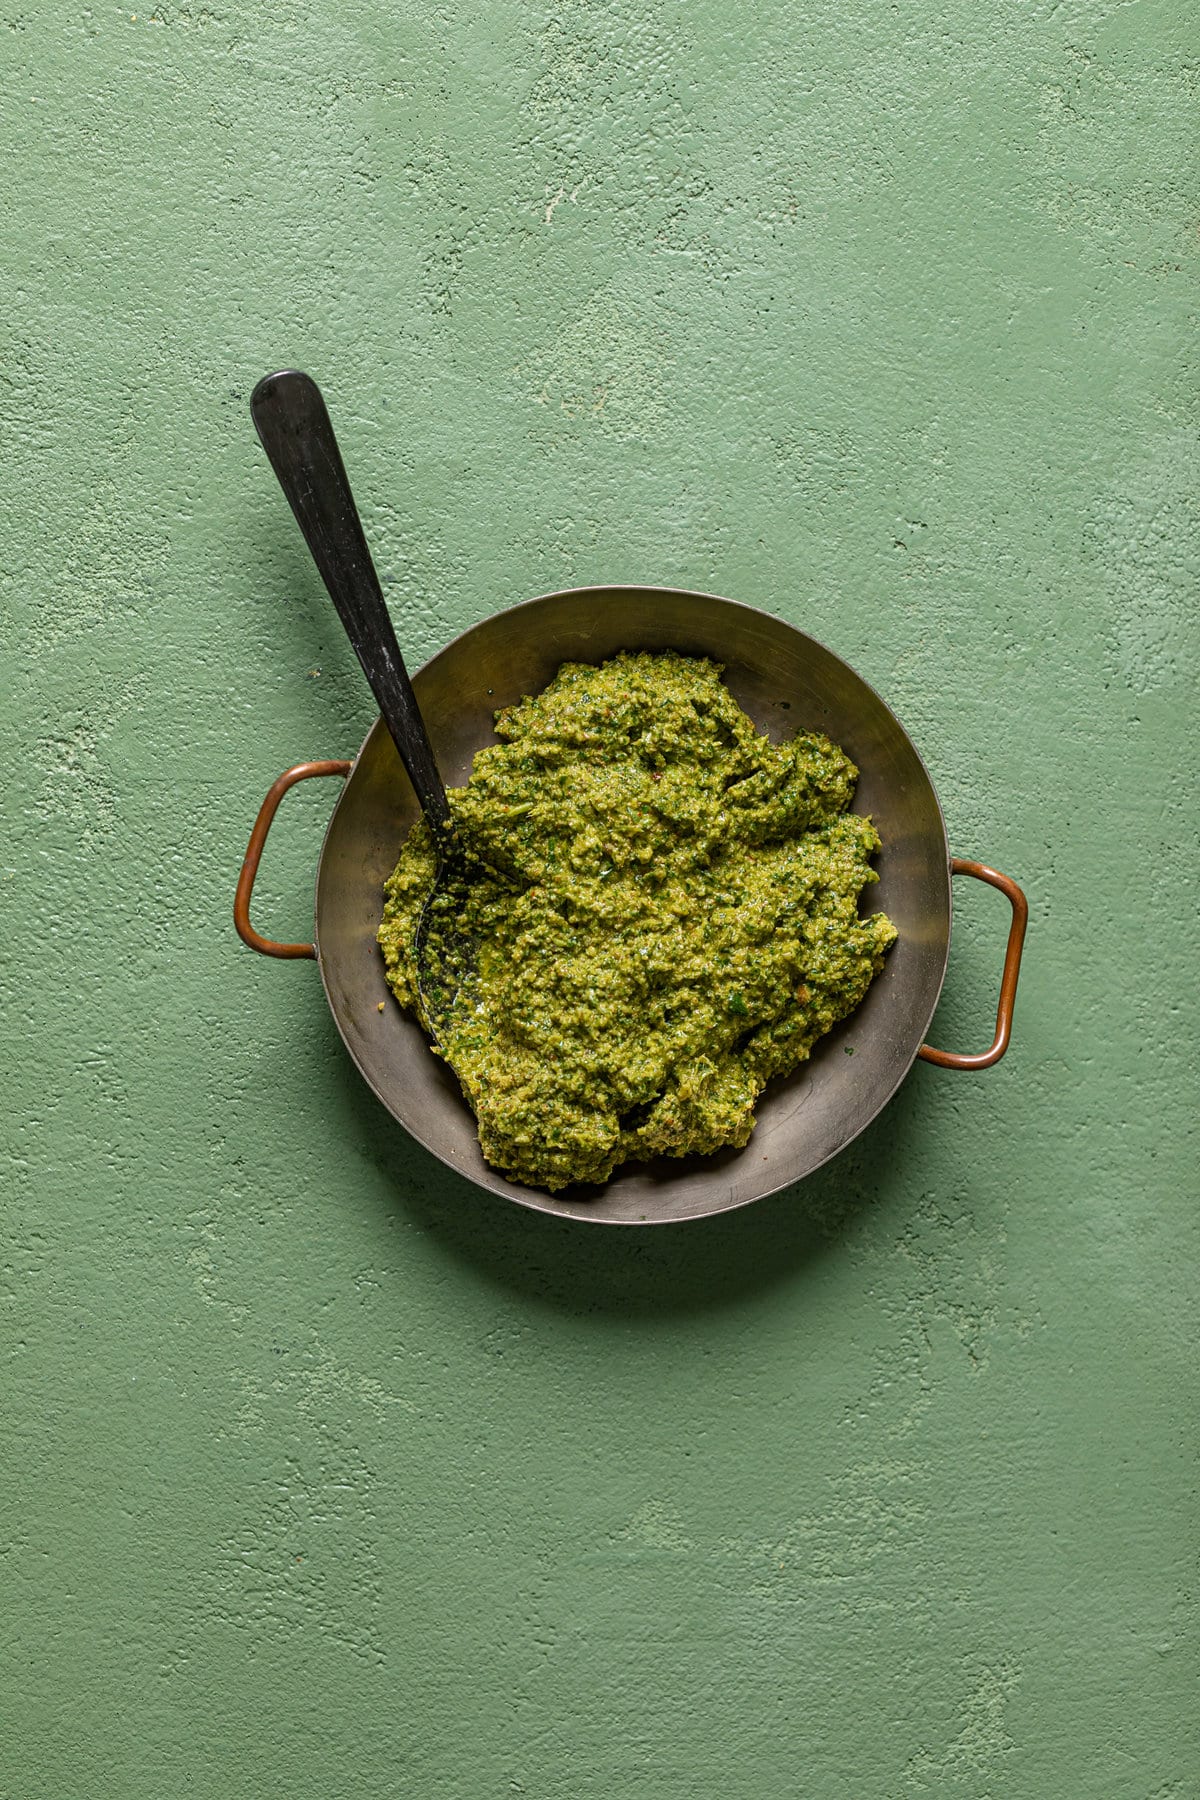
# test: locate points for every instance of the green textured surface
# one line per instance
(324, 1476)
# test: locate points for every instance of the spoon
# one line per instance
(294, 427)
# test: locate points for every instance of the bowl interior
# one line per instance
(786, 682)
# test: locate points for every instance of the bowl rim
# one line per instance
(539, 1199)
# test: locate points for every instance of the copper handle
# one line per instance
(254, 850)
(946, 1059)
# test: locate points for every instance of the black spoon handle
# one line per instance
(293, 423)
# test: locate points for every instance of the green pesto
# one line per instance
(677, 923)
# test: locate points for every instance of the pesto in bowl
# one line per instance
(673, 922)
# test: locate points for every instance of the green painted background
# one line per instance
(324, 1475)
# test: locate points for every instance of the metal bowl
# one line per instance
(786, 682)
